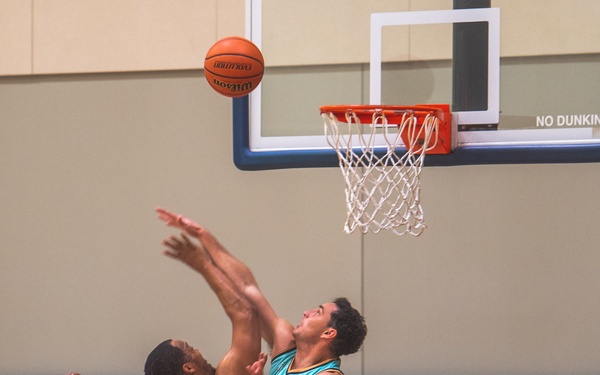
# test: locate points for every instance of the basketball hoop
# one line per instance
(382, 183)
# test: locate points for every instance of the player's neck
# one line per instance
(310, 354)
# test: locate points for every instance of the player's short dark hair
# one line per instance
(165, 359)
(350, 326)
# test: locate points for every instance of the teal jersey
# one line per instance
(281, 365)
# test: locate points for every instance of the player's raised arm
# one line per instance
(245, 342)
(276, 331)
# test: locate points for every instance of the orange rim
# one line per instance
(391, 112)
(394, 114)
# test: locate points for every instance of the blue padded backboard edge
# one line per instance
(246, 159)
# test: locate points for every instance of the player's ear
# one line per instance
(188, 368)
(329, 333)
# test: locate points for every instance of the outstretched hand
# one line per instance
(257, 367)
(183, 249)
(179, 221)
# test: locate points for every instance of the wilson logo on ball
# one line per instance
(234, 87)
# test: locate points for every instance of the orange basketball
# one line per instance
(234, 66)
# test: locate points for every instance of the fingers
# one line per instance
(166, 216)
(179, 221)
(181, 247)
(172, 242)
(257, 367)
(170, 254)
(187, 240)
(176, 246)
(262, 358)
(172, 251)
(173, 220)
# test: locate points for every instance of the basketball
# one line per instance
(234, 66)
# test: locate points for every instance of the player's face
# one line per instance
(314, 322)
(194, 358)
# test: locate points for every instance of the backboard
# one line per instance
(522, 90)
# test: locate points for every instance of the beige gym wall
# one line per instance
(68, 36)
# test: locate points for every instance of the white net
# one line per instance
(382, 184)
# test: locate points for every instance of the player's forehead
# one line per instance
(328, 307)
(181, 345)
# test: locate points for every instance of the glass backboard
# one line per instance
(523, 90)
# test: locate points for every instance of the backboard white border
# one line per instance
(490, 15)
(378, 21)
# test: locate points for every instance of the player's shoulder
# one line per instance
(284, 326)
(283, 339)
